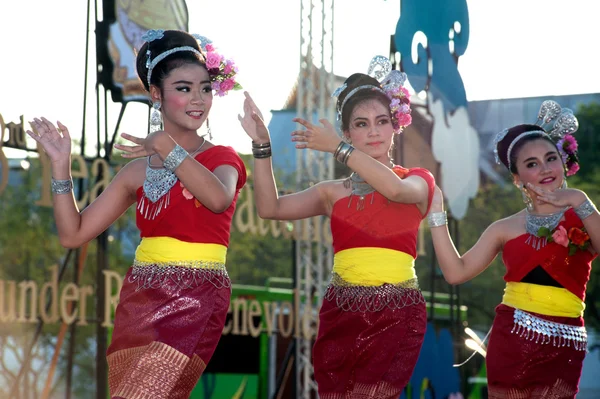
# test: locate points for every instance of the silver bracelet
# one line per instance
(175, 158)
(437, 219)
(261, 145)
(585, 209)
(62, 186)
(261, 151)
(342, 153)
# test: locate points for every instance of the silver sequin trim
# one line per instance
(586, 209)
(175, 158)
(179, 274)
(62, 186)
(158, 182)
(544, 332)
(358, 298)
(534, 222)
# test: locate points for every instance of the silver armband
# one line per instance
(262, 150)
(343, 152)
(437, 219)
(585, 209)
(175, 158)
(62, 186)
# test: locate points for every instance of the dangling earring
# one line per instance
(155, 117)
(208, 128)
(564, 184)
(346, 139)
(526, 198)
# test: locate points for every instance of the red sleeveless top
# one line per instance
(571, 271)
(382, 223)
(185, 218)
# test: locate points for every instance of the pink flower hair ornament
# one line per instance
(561, 124)
(222, 71)
(567, 147)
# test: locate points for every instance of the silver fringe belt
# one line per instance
(543, 331)
(179, 274)
(357, 298)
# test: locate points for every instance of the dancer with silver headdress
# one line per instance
(538, 340)
(373, 317)
(174, 300)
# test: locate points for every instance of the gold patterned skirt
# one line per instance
(167, 326)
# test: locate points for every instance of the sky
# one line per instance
(511, 53)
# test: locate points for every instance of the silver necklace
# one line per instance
(533, 223)
(157, 183)
(361, 189)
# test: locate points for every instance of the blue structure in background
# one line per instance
(442, 22)
(435, 364)
(280, 126)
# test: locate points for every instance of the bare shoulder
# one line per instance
(509, 227)
(335, 189)
(331, 191)
(132, 174)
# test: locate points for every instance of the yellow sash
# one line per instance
(549, 301)
(370, 266)
(168, 251)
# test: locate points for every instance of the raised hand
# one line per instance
(315, 137)
(437, 203)
(560, 197)
(142, 147)
(55, 142)
(253, 122)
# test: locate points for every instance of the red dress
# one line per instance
(369, 338)
(170, 317)
(521, 362)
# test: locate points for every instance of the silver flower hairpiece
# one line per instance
(553, 120)
(202, 40)
(153, 34)
(150, 36)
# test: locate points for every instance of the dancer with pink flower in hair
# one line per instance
(538, 339)
(373, 318)
(174, 300)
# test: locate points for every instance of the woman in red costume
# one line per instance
(373, 318)
(538, 339)
(175, 297)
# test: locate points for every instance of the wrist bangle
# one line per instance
(261, 145)
(342, 153)
(262, 154)
(585, 209)
(261, 151)
(175, 158)
(337, 150)
(62, 186)
(437, 219)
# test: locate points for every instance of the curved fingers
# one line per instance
(133, 139)
(304, 123)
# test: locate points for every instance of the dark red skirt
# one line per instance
(163, 338)
(518, 367)
(367, 354)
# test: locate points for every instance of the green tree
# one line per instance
(29, 245)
